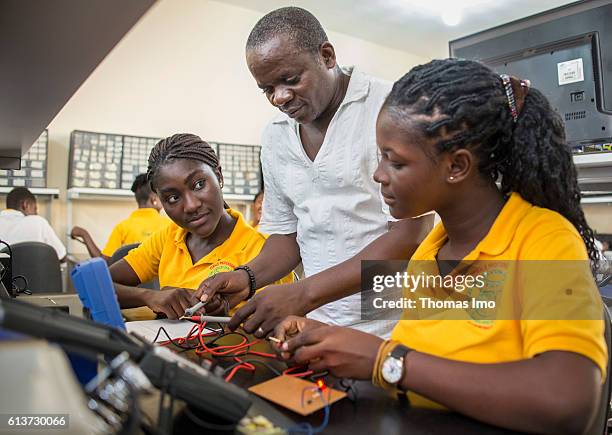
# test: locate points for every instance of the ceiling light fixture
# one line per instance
(451, 16)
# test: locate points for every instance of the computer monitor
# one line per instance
(567, 54)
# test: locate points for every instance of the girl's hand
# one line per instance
(344, 352)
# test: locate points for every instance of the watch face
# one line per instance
(392, 369)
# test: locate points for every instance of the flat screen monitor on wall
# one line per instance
(567, 54)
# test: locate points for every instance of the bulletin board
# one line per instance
(241, 168)
(112, 161)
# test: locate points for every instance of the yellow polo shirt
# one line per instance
(165, 254)
(529, 234)
(136, 228)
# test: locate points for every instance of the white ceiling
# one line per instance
(414, 26)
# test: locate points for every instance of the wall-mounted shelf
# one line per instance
(604, 199)
(235, 197)
(40, 191)
(93, 193)
(594, 176)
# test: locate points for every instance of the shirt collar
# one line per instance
(145, 211)
(497, 239)
(358, 88)
(11, 212)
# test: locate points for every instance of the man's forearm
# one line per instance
(344, 279)
(91, 246)
(278, 257)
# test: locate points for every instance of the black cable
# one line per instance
(10, 252)
(253, 361)
(23, 290)
(348, 386)
(226, 334)
(174, 341)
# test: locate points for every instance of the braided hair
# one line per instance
(181, 146)
(467, 107)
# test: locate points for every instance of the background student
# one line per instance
(143, 222)
(256, 209)
(204, 238)
(20, 222)
(447, 131)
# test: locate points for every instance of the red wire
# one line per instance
(244, 365)
(242, 348)
(290, 370)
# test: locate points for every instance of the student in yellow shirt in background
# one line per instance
(143, 222)
(447, 131)
(205, 236)
(257, 208)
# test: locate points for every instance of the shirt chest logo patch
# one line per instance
(220, 266)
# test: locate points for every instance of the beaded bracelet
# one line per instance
(252, 283)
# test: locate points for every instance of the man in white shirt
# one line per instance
(322, 204)
(21, 223)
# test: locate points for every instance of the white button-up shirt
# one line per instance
(332, 203)
(15, 227)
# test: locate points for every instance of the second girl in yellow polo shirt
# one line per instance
(141, 223)
(447, 132)
(204, 238)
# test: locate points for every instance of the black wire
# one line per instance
(10, 258)
(348, 386)
(7, 247)
(252, 361)
(174, 341)
(226, 334)
(207, 425)
(183, 347)
(25, 286)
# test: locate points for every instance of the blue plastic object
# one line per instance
(93, 283)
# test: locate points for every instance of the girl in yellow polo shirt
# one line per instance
(204, 238)
(143, 222)
(447, 132)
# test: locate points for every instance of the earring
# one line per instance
(451, 178)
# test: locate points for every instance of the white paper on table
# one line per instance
(147, 329)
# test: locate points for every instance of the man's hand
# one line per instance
(291, 327)
(344, 352)
(234, 286)
(79, 234)
(268, 307)
(171, 301)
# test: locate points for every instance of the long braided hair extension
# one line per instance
(467, 107)
(181, 146)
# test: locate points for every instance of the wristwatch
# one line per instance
(392, 367)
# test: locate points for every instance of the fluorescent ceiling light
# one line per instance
(451, 16)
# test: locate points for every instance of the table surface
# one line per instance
(374, 411)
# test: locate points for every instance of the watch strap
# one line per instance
(400, 351)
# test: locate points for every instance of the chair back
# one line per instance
(38, 263)
(122, 252)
